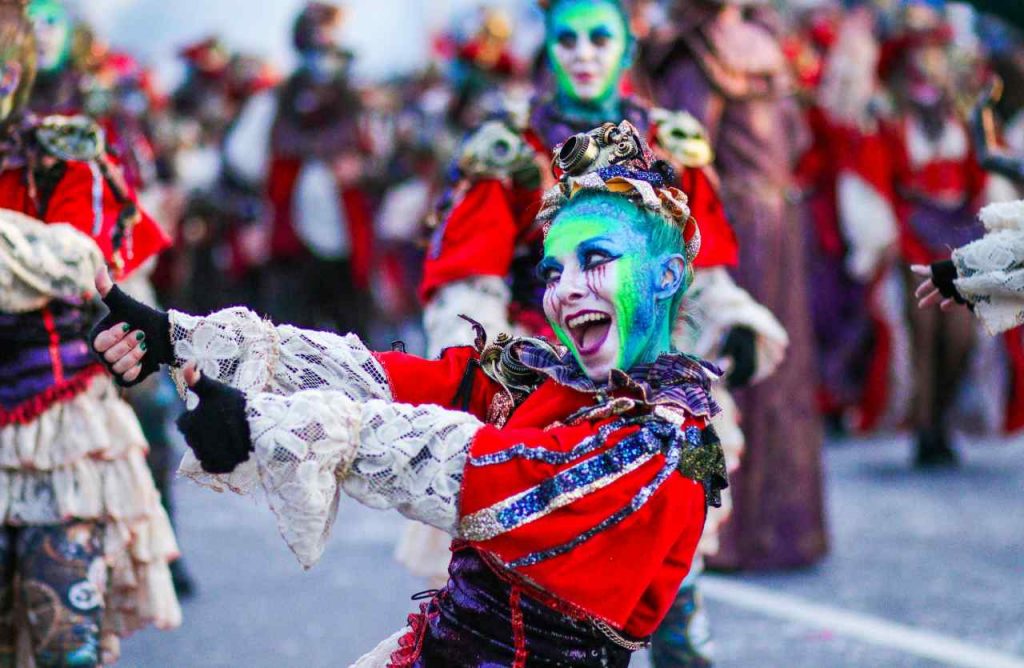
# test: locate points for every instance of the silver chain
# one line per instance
(616, 637)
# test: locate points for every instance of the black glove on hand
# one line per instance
(217, 429)
(943, 275)
(741, 347)
(156, 325)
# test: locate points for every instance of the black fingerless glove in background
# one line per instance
(943, 275)
(217, 429)
(156, 325)
(741, 347)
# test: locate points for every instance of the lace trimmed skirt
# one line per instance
(85, 458)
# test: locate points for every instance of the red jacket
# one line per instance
(627, 574)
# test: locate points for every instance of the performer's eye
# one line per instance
(567, 39)
(595, 258)
(600, 37)
(549, 273)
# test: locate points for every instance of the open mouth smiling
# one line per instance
(589, 330)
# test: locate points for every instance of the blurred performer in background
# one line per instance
(225, 208)
(481, 65)
(986, 275)
(85, 543)
(58, 86)
(321, 235)
(723, 63)
(922, 172)
(484, 250)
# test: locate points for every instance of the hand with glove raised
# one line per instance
(133, 339)
(216, 429)
(740, 347)
(938, 286)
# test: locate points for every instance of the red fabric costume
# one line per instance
(627, 575)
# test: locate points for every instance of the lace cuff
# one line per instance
(237, 347)
(385, 455)
(482, 298)
(992, 278)
(718, 305)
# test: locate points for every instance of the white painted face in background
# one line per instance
(587, 44)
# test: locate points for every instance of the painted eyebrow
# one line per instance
(601, 31)
(602, 244)
(547, 263)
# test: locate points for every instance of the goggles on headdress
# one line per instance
(615, 158)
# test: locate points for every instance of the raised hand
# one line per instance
(937, 286)
(132, 340)
(217, 429)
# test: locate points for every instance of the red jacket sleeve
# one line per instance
(85, 200)
(476, 239)
(454, 381)
(718, 243)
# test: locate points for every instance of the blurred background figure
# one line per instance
(725, 65)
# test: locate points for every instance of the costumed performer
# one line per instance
(482, 252)
(85, 543)
(574, 476)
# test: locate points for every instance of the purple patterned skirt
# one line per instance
(479, 619)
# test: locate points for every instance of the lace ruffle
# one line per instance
(237, 347)
(94, 424)
(85, 458)
(40, 262)
(992, 278)
(384, 455)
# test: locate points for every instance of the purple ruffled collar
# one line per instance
(676, 380)
(554, 127)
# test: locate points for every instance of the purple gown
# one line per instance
(778, 515)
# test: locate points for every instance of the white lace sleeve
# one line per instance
(485, 299)
(237, 347)
(385, 455)
(992, 278)
(718, 305)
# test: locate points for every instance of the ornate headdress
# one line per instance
(615, 158)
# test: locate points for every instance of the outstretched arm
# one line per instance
(235, 346)
(304, 449)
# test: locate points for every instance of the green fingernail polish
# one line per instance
(125, 327)
(142, 346)
(139, 336)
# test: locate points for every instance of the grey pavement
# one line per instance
(941, 552)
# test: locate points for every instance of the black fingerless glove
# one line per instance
(217, 429)
(156, 325)
(741, 347)
(943, 275)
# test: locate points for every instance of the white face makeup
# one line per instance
(587, 42)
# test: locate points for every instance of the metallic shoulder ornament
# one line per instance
(495, 150)
(71, 138)
(682, 137)
(616, 158)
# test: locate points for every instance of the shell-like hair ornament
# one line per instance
(615, 158)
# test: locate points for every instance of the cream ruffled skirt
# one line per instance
(86, 459)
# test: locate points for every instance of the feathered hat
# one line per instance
(616, 158)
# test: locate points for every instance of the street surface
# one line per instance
(926, 570)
